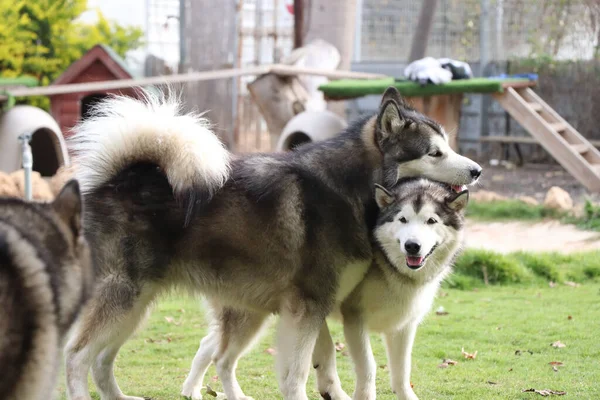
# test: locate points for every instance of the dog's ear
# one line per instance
(459, 201)
(391, 93)
(383, 198)
(389, 120)
(68, 206)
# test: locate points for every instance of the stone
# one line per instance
(529, 200)
(486, 196)
(558, 199)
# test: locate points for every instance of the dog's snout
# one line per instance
(412, 247)
(476, 172)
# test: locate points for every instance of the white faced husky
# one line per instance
(416, 237)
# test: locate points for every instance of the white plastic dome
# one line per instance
(47, 143)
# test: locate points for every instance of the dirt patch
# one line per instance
(505, 237)
(532, 180)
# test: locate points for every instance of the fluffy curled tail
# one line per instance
(123, 131)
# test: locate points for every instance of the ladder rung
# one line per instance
(535, 106)
(558, 126)
(580, 148)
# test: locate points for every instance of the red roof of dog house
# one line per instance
(100, 63)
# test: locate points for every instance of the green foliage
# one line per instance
(506, 210)
(522, 267)
(494, 267)
(42, 38)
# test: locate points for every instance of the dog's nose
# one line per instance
(475, 172)
(412, 247)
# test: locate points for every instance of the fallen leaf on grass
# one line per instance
(270, 351)
(383, 367)
(545, 392)
(339, 346)
(510, 370)
(569, 317)
(411, 385)
(558, 344)
(554, 369)
(441, 311)
(492, 383)
(172, 321)
(210, 391)
(517, 352)
(572, 284)
(446, 362)
(557, 363)
(471, 356)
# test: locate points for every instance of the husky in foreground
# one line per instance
(416, 237)
(289, 233)
(45, 278)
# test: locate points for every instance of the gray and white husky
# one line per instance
(168, 206)
(416, 237)
(46, 276)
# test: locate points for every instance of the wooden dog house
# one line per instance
(100, 63)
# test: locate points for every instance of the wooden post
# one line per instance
(298, 23)
(421, 35)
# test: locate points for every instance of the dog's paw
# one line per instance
(335, 394)
(407, 394)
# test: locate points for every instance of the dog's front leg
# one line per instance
(399, 348)
(359, 345)
(328, 381)
(299, 326)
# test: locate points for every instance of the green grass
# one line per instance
(507, 210)
(474, 266)
(514, 210)
(496, 321)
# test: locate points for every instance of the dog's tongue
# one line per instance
(414, 261)
(458, 188)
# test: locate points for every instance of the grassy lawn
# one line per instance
(495, 320)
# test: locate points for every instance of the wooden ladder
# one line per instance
(574, 152)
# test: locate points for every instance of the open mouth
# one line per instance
(416, 262)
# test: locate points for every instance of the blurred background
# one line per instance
(557, 39)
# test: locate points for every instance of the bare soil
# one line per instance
(531, 180)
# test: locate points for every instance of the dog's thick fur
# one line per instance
(45, 278)
(281, 233)
(392, 299)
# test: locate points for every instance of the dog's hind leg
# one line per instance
(239, 328)
(108, 321)
(208, 347)
(328, 381)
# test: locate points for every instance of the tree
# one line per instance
(43, 38)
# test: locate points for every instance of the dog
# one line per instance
(46, 276)
(417, 235)
(287, 233)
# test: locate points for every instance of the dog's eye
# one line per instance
(431, 221)
(403, 220)
(436, 154)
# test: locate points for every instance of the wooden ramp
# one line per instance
(574, 152)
